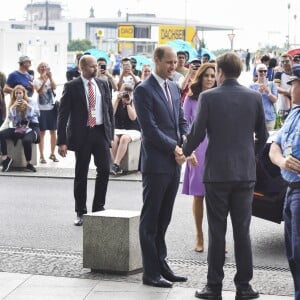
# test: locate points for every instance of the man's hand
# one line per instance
(63, 150)
(291, 163)
(192, 159)
(179, 157)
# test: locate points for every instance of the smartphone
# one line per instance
(19, 97)
(102, 67)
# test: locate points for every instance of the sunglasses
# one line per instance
(262, 71)
(285, 61)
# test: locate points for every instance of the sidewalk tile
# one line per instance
(53, 288)
(10, 281)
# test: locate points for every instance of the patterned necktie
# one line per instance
(169, 100)
(92, 104)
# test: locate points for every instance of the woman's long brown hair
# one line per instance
(196, 86)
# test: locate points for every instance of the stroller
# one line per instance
(270, 189)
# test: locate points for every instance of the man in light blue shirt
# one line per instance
(285, 153)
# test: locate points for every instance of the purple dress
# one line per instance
(193, 176)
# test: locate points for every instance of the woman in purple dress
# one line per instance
(193, 177)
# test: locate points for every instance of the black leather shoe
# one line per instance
(79, 220)
(160, 282)
(246, 293)
(170, 276)
(208, 293)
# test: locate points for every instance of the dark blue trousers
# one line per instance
(291, 215)
(159, 192)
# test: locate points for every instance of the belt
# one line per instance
(96, 126)
(294, 185)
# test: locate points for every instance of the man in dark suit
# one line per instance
(74, 72)
(86, 126)
(230, 115)
(160, 115)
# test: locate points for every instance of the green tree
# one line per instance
(80, 45)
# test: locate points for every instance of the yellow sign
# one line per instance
(126, 31)
(169, 33)
(125, 46)
(100, 32)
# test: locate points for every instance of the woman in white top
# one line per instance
(45, 86)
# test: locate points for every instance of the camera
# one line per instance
(125, 95)
(102, 67)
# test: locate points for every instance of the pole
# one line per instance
(295, 33)
(185, 19)
(288, 34)
(47, 16)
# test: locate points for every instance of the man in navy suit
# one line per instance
(230, 115)
(158, 105)
(87, 128)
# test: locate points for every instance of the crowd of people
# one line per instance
(175, 110)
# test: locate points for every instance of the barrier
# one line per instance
(16, 152)
(130, 161)
(111, 241)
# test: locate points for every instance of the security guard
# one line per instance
(285, 153)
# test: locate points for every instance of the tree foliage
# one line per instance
(80, 45)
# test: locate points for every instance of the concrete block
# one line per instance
(130, 161)
(16, 152)
(111, 241)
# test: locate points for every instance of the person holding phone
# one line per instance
(127, 128)
(45, 87)
(268, 91)
(103, 73)
(186, 82)
(127, 74)
(22, 110)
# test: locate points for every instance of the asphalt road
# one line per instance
(39, 212)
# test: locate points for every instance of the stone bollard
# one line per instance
(111, 242)
(130, 161)
(16, 152)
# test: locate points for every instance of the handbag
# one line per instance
(56, 106)
(22, 129)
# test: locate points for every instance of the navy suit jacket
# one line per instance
(73, 114)
(232, 116)
(162, 129)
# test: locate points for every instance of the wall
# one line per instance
(39, 45)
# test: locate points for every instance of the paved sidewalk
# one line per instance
(14, 286)
(30, 285)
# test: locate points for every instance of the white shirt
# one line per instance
(98, 106)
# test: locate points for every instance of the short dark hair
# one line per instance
(265, 58)
(230, 64)
(125, 59)
(181, 53)
(206, 55)
(102, 59)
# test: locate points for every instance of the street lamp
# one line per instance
(185, 19)
(295, 33)
(288, 33)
